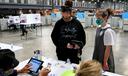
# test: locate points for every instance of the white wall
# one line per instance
(32, 2)
(48, 2)
(6, 1)
(22, 1)
(0, 0)
(15, 1)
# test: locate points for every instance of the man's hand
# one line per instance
(76, 46)
(44, 72)
(25, 69)
(73, 46)
(70, 46)
(105, 67)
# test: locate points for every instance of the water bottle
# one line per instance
(68, 61)
(35, 55)
(11, 46)
(39, 54)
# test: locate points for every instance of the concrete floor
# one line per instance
(45, 44)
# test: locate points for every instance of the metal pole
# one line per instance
(114, 5)
(43, 4)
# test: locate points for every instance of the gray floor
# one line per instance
(45, 44)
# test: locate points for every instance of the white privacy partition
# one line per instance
(48, 20)
(14, 20)
(27, 19)
(3, 24)
(125, 25)
(43, 20)
(55, 17)
(125, 21)
(81, 16)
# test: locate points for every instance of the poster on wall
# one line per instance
(14, 19)
(30, 19)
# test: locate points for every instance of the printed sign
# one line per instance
(14, 19)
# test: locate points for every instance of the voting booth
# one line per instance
(3, 24)
(125, 15)
(14, 20)
(125, 21)
(10, 46)
(48, 20)
(43, 20)
(32, 21)
(55, 17)
(27, 19)
(81, 16)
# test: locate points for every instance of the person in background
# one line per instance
(89, 68)
(23, 29)
(104, 40)
(74, 13)
(68, 3)
(69, 37)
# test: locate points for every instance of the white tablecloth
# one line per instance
(11, 47)
(57, 67)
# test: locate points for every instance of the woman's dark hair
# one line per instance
(108, 12)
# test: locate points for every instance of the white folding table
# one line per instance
(57, 67)
(10, 46)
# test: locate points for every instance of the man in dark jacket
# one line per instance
(69, 37)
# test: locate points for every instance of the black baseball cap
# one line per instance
(7, 59)
(66, 9)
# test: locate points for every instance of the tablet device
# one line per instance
(35, 65)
